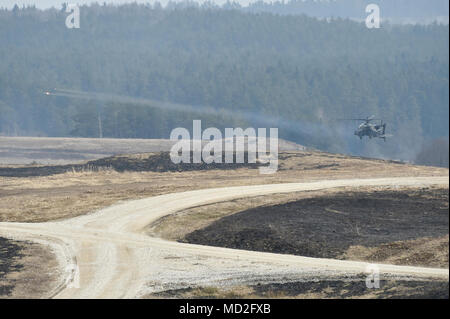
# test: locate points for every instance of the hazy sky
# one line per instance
(57, 3)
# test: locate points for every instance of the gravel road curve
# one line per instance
(107, 255)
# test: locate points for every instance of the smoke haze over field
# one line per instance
(320, 132)
(156, 69)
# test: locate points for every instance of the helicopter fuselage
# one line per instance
(370, 130)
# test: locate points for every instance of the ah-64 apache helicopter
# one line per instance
(367, 128)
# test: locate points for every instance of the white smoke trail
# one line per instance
(299, 127)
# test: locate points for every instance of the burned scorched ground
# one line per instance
(374, 226)
(9, 253)
(154, 162)
(326, 289)
(27, 270)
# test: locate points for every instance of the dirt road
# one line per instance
(106, 254)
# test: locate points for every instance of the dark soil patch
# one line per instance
(159, 162)
(335, 288)
(327, 226)
(391, 289)
(10, 252)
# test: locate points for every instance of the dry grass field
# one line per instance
(46, 150)
(44, 198)
(77, 192)
(64, 150)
